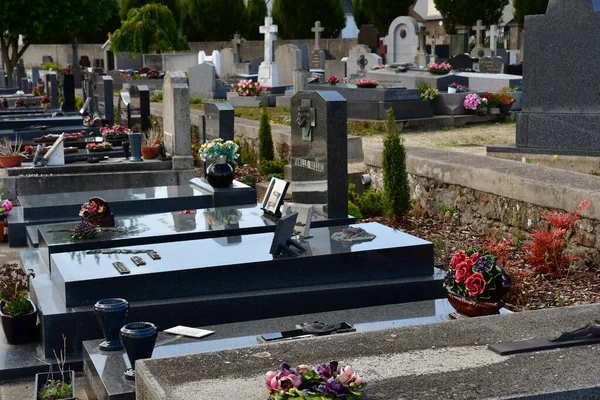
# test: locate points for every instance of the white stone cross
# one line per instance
(268, 29)
(478, 29)
(493, 38)
(317, 30)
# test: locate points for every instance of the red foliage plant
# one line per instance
(501, 249)
(547, 251)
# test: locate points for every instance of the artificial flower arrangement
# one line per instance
(84, 230)
(459, 88)
(380, 66)
(97, 147)
(247, 88)
(5, 206)
(35, 91)
(367, 83)
(441, 68)
(20, 102)
(27, 150)
(506, 98)
(220, 217)
(332, 80)
(325, 381)
(219, 147)
(45, 99)
(476, 274)
(19, 93)
(428, 92)
(93, 209)
(115, 132)
(474, 102)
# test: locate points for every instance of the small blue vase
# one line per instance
(220, 173)
(111, 315)
(135, 146)
(139, 339)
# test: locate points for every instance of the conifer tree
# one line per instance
(265, 139)
(395, 176)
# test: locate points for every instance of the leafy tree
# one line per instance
(256, 11)
(150, 28)
(395, 175)
(467, 12)
(212, 20)
(360, 18)
(528, 7)
(173, 5)
(381, 13)
(37, 20)
(296, 18)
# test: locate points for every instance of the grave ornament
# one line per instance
(283, 244)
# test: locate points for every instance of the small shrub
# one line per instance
(78, 103)
(265, 139)
(157, 97)
(372, 204)
(271, 167)
(249, 180)
(196, 100)
(247, 154)
(354, 210)
(48, 65)
(271, 176)
(395, 176)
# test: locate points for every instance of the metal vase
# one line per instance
(111, 315)
(135, 146)
(138, 338)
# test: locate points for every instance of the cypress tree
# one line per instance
(265, 139)
(395, 177)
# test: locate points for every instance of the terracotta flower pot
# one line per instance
(470, 307)
(11, 161)
(149, 152)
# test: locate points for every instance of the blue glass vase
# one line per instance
(135, 146)
(220, 173)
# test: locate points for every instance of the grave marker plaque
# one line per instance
(491, 65)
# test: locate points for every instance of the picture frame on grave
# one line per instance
(56, 153)
(303, 221)
(283, 244)
(274, 197)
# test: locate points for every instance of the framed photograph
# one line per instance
(305, 212)
(274, 196)
(282, 240)
(56, 154)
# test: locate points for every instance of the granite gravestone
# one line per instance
(462, 62)
(491, 65)
(202, 79)
(560, 114)
(20, 74)
(68, 92)
(335, 68)
(317, 54)
(289, 59)
(402, 41)
(229, 58)
(104, 103)
(358, 64)
(220, 119)
(359, 49)
(320, 151)
(139, 96)
(501, 52)
(52, 89)
(176, 119)
(369, 36)
(2, 78)
(35, 75)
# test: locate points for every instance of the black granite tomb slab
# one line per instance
(28, 122)
(410, 109)
(352, 93)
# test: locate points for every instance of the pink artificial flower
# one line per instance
(7, 205)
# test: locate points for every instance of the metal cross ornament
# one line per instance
(306, 119)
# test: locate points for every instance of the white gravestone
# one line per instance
(268, 75)
(289, 59)
(215, 59)
(494, 32)
(402, 41)
(359, 64)
(176, 119)
(479, 51)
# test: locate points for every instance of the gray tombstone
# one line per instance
(462, 62)
(52, 89)
(304, 51)
(139, 96)
(317, 53)
(369, 36)
(505, 56)
(254, 64)
(300, 80)
(85, 62)
(90, 95)
(335, 68)
(105, 100)
(35, 74)
(320, 151)
(176, 119)
(2, 77)
(20, 70)
(491, 65)
(358, 64)
(220, 119)
(289, 59)
(228, 60)
(202, 79)
(402, 41)
(359, 49)
(25, 85)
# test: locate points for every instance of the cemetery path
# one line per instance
(470, 139)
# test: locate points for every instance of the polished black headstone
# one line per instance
(219, 120)
(68, 90)
(461, 62)
(369, 35)
(52, 89)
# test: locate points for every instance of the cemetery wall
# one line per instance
(60, 53)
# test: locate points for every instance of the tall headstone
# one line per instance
(68, 93)
(2, 77)
(139, 96)
(90, 95)
(35, 74)
(52, 89)
(289, 59)
(20, 74)
(561, 113)
(220, 118)
(479, 51)
(104, 103)
(335, 68)
(369, 36)
(320, 151)
(237, 46)
(229, 58)
(268, 75)
(300, 80)
(317, 54)
(402, 41)
(176, 119)
(202, 80)
(494, 32)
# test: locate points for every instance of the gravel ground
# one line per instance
(472, 139)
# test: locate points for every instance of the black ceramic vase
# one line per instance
(138, 338)
(21, 329)
(220, 173)
(111, 315)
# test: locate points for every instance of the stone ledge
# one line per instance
(541, 186)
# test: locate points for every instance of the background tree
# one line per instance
(528, 7)
(381, 13)
(256, 11)
(360, 18)
(174, 6)
(212, 20)
(395, 176)
(38, 20)
(295, 18)
(148, 29)
(467, 12)
(265, 138)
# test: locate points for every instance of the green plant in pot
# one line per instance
(56, 385)
(17, 311)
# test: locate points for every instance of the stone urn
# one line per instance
(111, 315)
(139, 339)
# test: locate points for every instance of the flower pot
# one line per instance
(149, 152)
(451, 90)
(505, 108)
(20, 329)
(470, 307)
(42, 378)
(11, 161)
(111, 315)
(482, 111)
(220, 173)
(138, 338)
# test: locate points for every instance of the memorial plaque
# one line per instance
(491, 65)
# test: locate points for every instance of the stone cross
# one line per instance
(478, 29)
(317, 30)
(237, 42)
(268, 29)
(493, 38)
